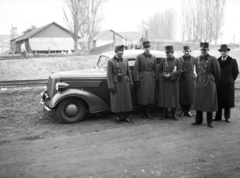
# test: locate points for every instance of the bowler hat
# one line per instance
(186, 48)
(119, 48)
(204, 45)
(146, 44)
(224, 47)
(169, 48)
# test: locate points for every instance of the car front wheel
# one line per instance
(71, 110)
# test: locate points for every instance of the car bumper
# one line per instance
(43, 103)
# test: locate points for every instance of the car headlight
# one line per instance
(60, 86)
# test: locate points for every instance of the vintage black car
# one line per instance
(72, 93)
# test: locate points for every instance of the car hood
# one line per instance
(87, 73)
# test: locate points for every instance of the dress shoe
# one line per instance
(174, 118)
(196, 123)
(188, 114)
(227, 120)
(119, 121)
(210, 125)
(143, 116)
(163, 117)
(129, 120)
(148, 116)
(181, 114)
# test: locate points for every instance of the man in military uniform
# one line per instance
(186, 81)
(144, 73)
(169, 73)
(225, 85)
(119, 81)
(205, 96)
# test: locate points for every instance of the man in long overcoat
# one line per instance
(169, 73)
(186, 81)
(144, 74)
(205, 96)
(225, 85)
(119, 79)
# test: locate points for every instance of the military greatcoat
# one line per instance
(208, 73)
(225, 85)
(120, 77)
(186, 81)
(168, 87)
(144, 71)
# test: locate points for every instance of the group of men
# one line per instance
(204, 83)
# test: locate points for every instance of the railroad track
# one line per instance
(23, 83)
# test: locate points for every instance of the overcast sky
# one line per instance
(119, 15)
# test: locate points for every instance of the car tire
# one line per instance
(71, 110)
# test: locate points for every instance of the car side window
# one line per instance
(102, 62)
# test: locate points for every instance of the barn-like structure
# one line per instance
(51, 38)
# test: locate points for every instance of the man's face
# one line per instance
(204, 52)
(169, 54)
(147, 50)
(186, 52)
(224, 53)
(119, 54)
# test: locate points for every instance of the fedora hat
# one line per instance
(204, 45)
(169, 48)
(224, 47)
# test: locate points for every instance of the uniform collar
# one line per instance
(117, 59)
(147, 55)
(170, 58)
(187, 57)
(204, 57)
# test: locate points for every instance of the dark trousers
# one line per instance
(227, 113)
(186, 107)
(199, 117)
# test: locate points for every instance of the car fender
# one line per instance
(95, 103)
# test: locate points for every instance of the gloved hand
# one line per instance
(137, 84)
(113, 90)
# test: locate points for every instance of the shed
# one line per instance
(46, 39)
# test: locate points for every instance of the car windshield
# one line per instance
(102, 62)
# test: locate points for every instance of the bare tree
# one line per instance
(161, 25)
(82, 19)
(203, 19)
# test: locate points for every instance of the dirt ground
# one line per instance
(33, 144)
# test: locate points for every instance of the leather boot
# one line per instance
(218, 115)
(198, 118)
(165, 112)
(148, 116)
(183, 110)
(209, 119)
(143, 111)
(118, 118)
(127, 119)
(174, 114)
(227, 113)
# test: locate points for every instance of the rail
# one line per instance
(23, 83)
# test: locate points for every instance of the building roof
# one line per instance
(131, 35)
(103, 33)
(37, 30)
